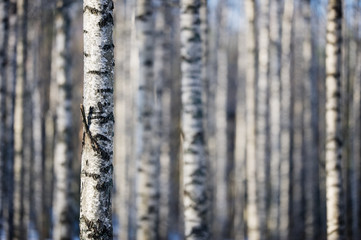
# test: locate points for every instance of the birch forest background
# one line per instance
(180, 119)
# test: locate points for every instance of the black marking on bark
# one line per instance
(86, 54)
(96, 229)
(103, 186)
(101, 137)
(191, 60)
(198, 138)
(92, 10)
(107, 47)
(95, 176)
(99, 73)
(144, 17)
(193, 8)
(85, 31)
(336, 139)
(105, 90)
(148, 63)
(94, 144)
(108, 18)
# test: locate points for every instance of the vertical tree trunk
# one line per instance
(221, 186)
(286, 142)
(275, 111)
(310, 127)
(121, 86)
(10, 99)
(262, 115)
(63, 214)
(19, 225)
(98, 120)
(4, 35)
(148, 163)
(252, 71)
(194, 162)
(356, 146)
(334, 195)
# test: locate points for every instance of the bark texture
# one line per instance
(63, 213)
(286, 142)
(19, 225)
(195, 199)
(275, 111)
(148, 161)
(98, 120)
(251, 80)
(333, 148)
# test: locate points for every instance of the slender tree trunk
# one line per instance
(310, 117)
(98, 120)
(63, 213)
(286, 142)
(4, 36)
(262, 115)
(220, 111)
(148, 163)
(19, 224)
(334, 195)
(194, 162)
(356, 147)
(10, 99)
(240, 165)
(122, 86)
(275, 108)
(252, 71)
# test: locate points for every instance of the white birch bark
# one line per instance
(240, 138)
(63, 214)
(4, 35)
(122, 88)
(19, 225)
(285, 141)
(98, 119)
(251, 81)
(194, 163)
(275, 111)
(333, 145)
(262, 115)
(148, 163)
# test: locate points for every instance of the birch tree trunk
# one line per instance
(275, 111)
(63, 214)
(10, 99)
(334, 194)
(19, 225)
(4, 35)
(251, 75)
(310, 127)
(122, 86)
(286, 142)
(221, 185)
(194, 162)
(356, 148)
(98, 120)
(262, 116)
(148, 163)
